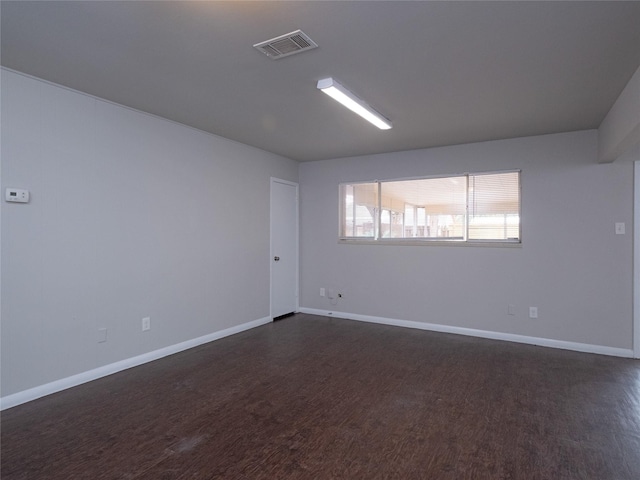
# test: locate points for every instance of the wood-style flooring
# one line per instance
(320, 398)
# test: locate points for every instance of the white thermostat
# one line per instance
(17, 195)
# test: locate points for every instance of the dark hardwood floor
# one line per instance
(320, 398)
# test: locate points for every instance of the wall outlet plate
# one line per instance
(620, 228)
(102, 335)
(533, 312)
(146, 324)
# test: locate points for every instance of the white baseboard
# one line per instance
(84, 377)
(509, 337)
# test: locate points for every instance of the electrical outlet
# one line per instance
(146, 324)
(620, 230)
(102, 335)
(533, 312)
(322, 292)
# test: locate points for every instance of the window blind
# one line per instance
(494, 206)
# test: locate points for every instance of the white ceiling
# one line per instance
(444, 72)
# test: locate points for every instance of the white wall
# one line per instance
(131, 216)
(571, 265)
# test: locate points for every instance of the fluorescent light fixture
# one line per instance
(353, 103)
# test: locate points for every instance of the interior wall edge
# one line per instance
(490, 335)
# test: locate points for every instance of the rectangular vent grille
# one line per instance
(285, 45)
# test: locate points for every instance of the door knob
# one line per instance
(277, 259)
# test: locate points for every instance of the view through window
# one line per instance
(465, 208)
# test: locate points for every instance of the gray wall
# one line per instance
(571, 265)
(131, 216)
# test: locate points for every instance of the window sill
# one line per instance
(437, 243)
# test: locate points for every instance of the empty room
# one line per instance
(320, 240)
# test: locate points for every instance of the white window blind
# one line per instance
(494, 206)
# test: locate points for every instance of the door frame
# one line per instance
(636, 259)
(274, 180)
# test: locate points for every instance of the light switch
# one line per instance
(620, 230)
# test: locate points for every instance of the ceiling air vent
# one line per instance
(285, 45)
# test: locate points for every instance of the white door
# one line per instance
(284, 247)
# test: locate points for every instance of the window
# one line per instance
(359, 203)
(464, 208)
(494, 207)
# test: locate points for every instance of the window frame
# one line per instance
(377, 239)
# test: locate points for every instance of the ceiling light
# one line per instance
(353, 103)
